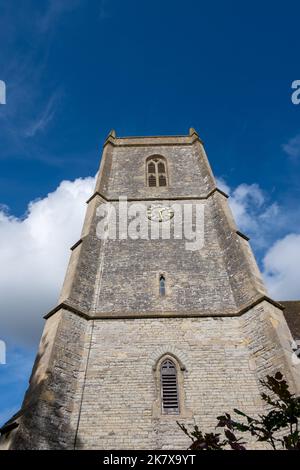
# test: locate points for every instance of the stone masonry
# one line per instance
(96, 380)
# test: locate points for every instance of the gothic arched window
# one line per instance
(156, 171)
(169, 387)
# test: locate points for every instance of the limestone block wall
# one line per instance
(123, 166)
(195, 280)
(50, 402)
(121, 397)
(96, 383)
(121, 276)
(270, 343)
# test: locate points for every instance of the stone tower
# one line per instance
(146, 331)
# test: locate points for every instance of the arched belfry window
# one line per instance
(156, 171)
(169, 387)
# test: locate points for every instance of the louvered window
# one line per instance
(169, 388)
(156, 172)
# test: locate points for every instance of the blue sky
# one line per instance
(74, 69)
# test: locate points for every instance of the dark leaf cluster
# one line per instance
(279, 427)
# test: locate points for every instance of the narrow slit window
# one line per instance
(169, 388)
(162, 285)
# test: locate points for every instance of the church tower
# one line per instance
(163, 315)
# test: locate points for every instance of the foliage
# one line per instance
(211, 441)
(279, 427)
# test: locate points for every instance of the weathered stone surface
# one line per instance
(96, 381)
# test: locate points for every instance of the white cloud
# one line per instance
(266, 224)
(246, 202)
(292, 148)
(221, 184)
(34, 252)
(253, 213)
(282, 268)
